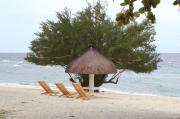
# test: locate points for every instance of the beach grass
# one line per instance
(4, 113)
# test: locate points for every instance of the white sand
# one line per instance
(29, 104)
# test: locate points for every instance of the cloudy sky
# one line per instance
(20, 19)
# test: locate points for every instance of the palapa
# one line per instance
(91, 62)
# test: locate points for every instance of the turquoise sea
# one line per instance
(165, 81)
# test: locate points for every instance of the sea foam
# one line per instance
(5, 61)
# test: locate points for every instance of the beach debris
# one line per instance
(71, 116)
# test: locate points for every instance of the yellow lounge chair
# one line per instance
(47, 89)
(82, 94)
(63, 89)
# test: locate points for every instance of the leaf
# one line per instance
(154, 3)
(136, 14)
(142, 10)
(123, 4)
(126, 1)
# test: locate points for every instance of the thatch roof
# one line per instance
(91, 62)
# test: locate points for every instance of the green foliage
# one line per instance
(128, 15)
(129, 47)
(4, 114)
(133, 49)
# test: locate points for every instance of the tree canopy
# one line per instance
(129, 47)
(129, 14)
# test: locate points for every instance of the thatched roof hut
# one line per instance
(91, 62)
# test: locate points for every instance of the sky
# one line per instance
(20, 19)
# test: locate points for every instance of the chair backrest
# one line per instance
(45, 86)
(62, 88)
(79, 89)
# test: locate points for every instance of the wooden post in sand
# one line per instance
(91, 83)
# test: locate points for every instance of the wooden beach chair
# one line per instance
(63, 89)
(47, 89)
(82, 94)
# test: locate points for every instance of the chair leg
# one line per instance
(69, 96)
(53, 94)
(44, 93)
(78, 96)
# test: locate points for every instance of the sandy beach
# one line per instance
(26, 103)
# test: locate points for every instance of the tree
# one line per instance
(129, 47)
(129, 14)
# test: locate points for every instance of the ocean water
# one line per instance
(165, 81)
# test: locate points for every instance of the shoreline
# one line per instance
(16, 85)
